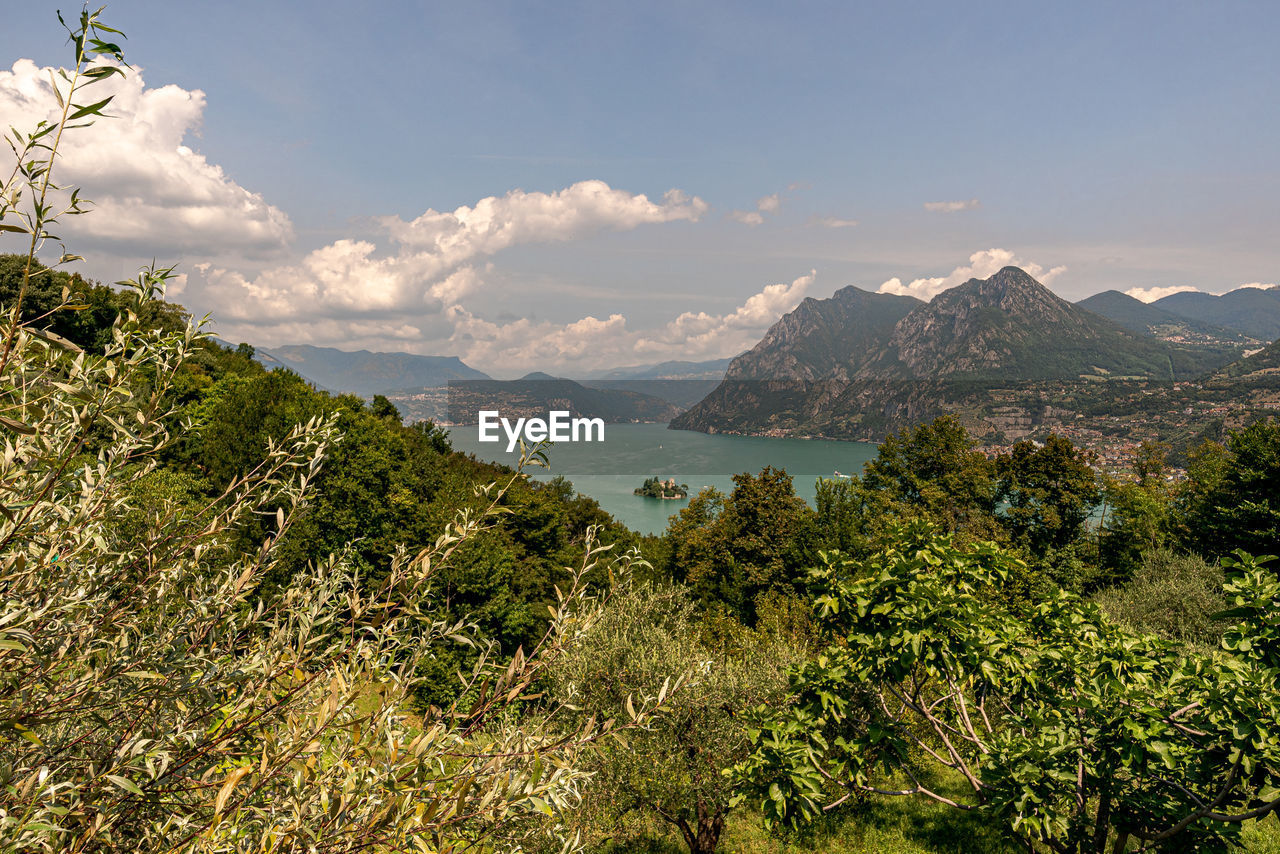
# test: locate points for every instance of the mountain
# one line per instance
(1253, 311)
(1011, 327)
(533, 395)
(822, 338)
(858, 365)
(680, 382)
(712, 369)
(680, 393)
(1259, 363)
(366, 373)
(1149, 319)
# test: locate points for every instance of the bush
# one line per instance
(152, 697)
(1171, 595)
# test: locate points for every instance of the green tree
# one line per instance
(1175, 596)
(731, 550)
(1231, 499)
(1049, 491)
(151, 699)
(1071, 732)
(1137, 514)
(648, 643)
(933, 467)
(853, 518)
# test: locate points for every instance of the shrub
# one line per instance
(1171, 595)
(151, 697)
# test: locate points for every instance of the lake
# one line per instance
(608, 471)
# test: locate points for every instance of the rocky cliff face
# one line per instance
(863, 363)
(822, 339)
(1012, 327)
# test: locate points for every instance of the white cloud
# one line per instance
(435, 265)
(952, 207)
(769, 204)
(591, 342)
(1260, 286)
(708, 336)
(495, 223)
(832, 222)
(425, 285)
(1153, 294)
(747, 217)
(981, 266)
(153, 194)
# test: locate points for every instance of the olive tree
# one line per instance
(152, 696)
(648, 642)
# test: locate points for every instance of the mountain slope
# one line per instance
(1011, 327)
(829, 368)
(1150, 319)
(712, 369)
(365, 373)
(824, 338)
(1253, 311)
(1264, 361)
(534, 395)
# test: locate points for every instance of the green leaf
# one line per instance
(17, 426)
(126, 784)
(90, 110)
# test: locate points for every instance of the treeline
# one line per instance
(384, 484)
(1075, 527)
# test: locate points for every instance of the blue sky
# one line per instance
(1105, 145)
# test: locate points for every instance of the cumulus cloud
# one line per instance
(1153, 294)
(495, 223)
(152, 193)
(769, 204)
(435, 266)
(426, 281)
(590, 341)
(747, 217)
(951, 207)
(1260, 286)
(723, 335)
(832, 222)
(981, 266)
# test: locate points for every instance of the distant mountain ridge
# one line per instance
(859, 363)
(1253, 311)
(712, 369)
(365, 373)
(1150, 319)
(533, 395)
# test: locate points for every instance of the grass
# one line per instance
(1262, 837)
(892, 826)
(880, 825)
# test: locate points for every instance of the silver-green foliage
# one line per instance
(150, 700)
(648, 642)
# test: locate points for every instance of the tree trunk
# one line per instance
(706, 838)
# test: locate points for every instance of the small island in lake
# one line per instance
(655, 487)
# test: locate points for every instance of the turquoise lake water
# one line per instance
(608, 471)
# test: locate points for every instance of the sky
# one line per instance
(568, 185)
